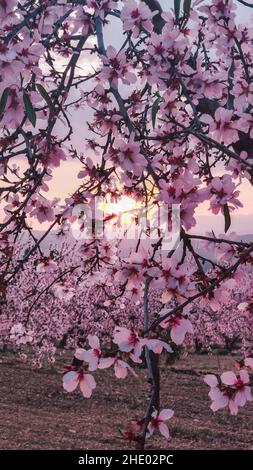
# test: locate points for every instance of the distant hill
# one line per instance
(240, 224)
(126, 246)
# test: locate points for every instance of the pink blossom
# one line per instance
(219, 398)
(249, 362)
(178, 325)
(130, 273)
(106, 120)
(100, 7)
(50, 16)
(243, 93)
(82, 21)
(128, 341)
(220, 295)
(14, 111)
(167, 276)
(42, 210)
(242, 390)
(116, 68)
(246, 123)
(157, 345)
(20, 334)
(231, 391)
(130, 157)
(136, 17)
(53, 157)
(134, 293)
(158, 422)
(86, 382)
(127, 155)
(7, 54)
(223, 190)
(222, 127)
(7, 7)
(64, 292)
(238, 168)
(92, 356)
(46, 265)
(121, 368)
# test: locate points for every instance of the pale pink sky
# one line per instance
(64, 183)
(65, 178)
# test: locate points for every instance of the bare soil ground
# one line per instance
(35, 412)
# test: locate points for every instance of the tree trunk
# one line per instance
(152, 361)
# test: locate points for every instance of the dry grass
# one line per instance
(35, 412)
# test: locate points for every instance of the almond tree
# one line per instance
(167, 120)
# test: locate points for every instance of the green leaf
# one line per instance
(4, 99)
(45, 95)
(227, 217)
(29, 109)
(177, 8)
(154, 110)
(187, 7)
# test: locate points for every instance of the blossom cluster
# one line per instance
(162, 115)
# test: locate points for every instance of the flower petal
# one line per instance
(70, 381)
(164, 430)
(211, 380)
(228, 378)
(165, 414)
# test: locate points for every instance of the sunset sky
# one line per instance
(65, 182)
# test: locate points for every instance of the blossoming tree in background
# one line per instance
(166, 113)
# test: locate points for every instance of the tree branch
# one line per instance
(158, 20)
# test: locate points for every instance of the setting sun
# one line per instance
(125, 208)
